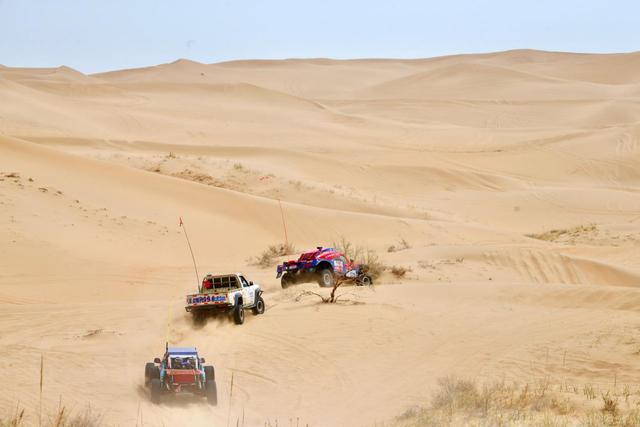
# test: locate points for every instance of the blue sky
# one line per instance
(92, 35)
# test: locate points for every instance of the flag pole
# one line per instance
(41, 384)
(184, 229)
(284, 225)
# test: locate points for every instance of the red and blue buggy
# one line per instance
(179, 371)
(324, 266)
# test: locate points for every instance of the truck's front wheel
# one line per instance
(259, 308)
(326, 279)
(365, 280)
(238, 314)
(286, 280)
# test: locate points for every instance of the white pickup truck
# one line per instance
(227, 293)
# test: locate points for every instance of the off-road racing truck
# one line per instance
(322, 265)
(226, 293)
(180, 370)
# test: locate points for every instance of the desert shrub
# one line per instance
(269, 256)
(455, 393)
(565, 233)
(463, 402)
(589, 392)
(361, 255)
(400, 246)
(352, 251)
(13, 420)
(373, 263)
(609, 405)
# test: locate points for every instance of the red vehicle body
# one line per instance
(323, 265)
(181, 370)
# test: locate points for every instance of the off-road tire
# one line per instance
(287, 280)
(156, 390)
(212, 392)
(365, 280)
(147, 372)
(259, 307)
(209, 373)
(238, 314)
(326, 279)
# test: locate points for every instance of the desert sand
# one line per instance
(513, 176)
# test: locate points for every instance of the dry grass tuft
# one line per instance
(609, 405)
(464, 402)
(400, 246)
(269, 256)
(565, 234)
(61, 418)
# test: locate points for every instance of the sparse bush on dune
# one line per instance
(565, 234)
(374, 264)
(400, 246)
(345, 246)
(269, 256)
(464, 402)
(361, 255)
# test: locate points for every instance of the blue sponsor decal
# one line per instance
(205, 299)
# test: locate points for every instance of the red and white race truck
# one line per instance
(226, 293)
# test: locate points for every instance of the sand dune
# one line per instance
(512, 177)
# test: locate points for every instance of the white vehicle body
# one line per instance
(228, 291)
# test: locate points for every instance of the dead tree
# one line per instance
(332, 298)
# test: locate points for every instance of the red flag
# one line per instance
(180, 221)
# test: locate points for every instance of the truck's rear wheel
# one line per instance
(286, 280)
(147, 372)
(238, 314)
(212, 392)
(326, 279)
(156, 390)
(209, 373)
(259, 308)
(151, 371)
